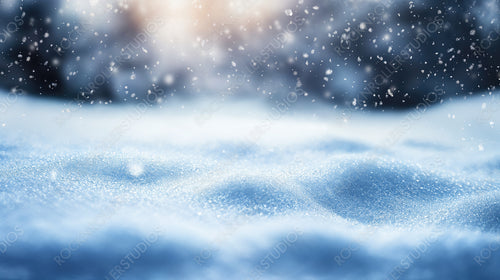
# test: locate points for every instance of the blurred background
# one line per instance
(359, 53)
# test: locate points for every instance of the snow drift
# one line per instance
(94, 192)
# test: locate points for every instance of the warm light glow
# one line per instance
(194, 23)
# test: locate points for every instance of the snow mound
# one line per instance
(305, 198)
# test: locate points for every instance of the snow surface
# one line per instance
(245, 193)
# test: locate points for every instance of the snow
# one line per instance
(135, 192)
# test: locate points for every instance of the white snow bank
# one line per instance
(247, 193)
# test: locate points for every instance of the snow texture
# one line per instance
(122, 193)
